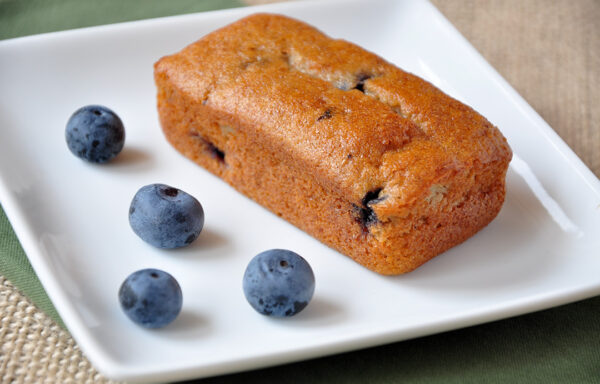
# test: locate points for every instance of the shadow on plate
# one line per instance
(319, 312)
(209, 244)
(519, 247)
(131, 159)
(187, 325)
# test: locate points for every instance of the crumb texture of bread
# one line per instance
(369, 159)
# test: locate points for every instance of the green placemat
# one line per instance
(27, 17)
(561, 345)
(16, 268)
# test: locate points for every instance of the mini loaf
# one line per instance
(371, 160)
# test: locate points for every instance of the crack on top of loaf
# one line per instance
(226, 130)
(258, 60)
(437, 192)
(258, 55)
(397, 109)
(288, 57)
(361, 78)
(206, 95)
(372, 197)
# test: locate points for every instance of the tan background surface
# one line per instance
(549, 51)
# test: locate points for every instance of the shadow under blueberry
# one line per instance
(131, 159)
(188, 324)
(521, 245)
(209, 239)
(319, 312)
(209, 243)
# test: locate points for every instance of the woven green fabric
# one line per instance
(560, 345)
(27, 17)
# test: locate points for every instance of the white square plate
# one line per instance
(71, 217)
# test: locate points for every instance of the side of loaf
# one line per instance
(371, 160)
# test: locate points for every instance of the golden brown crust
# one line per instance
(369, 159)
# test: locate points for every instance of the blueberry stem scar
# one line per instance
(172, 192)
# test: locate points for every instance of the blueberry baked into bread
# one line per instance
(371, 160)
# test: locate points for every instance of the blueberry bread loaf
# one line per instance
(371, 160)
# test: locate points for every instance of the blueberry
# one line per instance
(151, 298)
(278, 283)
(165, 217)
(95, 133)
